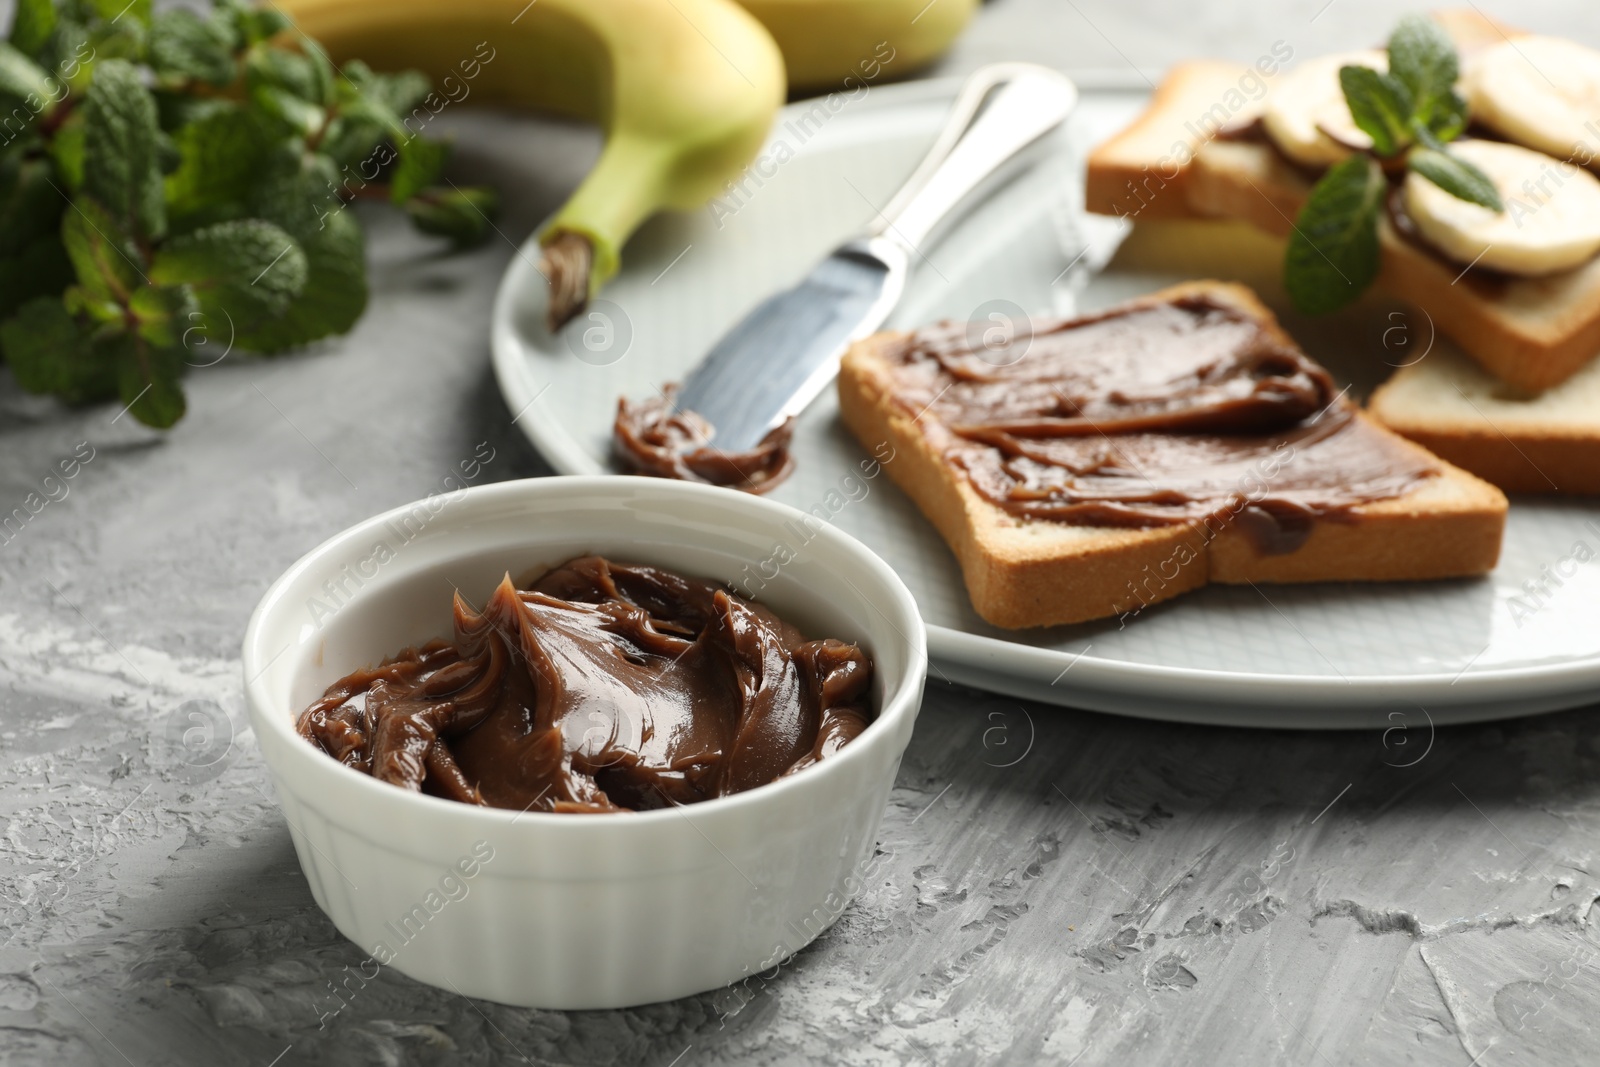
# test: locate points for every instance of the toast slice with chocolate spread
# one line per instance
(1118, 460)
(1187, 156)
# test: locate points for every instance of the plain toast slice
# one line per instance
(1542, 443)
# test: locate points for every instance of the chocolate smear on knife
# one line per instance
(657, 438)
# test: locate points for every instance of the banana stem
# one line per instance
(566, 262)
(582, 246)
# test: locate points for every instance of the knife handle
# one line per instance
(1002, 109)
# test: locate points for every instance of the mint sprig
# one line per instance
(178, 179)
(1333, 251)
(1411, 113)
(1381, 106)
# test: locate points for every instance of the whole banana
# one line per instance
(824, 42)
(684, 89)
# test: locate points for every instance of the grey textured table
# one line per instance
(1054, 886)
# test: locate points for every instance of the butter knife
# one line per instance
(776, 360)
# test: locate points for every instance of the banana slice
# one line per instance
(1551, 222)
(1542, 92)
(1306, 115)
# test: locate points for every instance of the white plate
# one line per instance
(1332, 655)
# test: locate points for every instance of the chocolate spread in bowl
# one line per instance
(1152, 414)
(604, 687)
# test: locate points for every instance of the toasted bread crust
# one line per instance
(1022, 573)
(1550, 445)
(1143, 171)
(1525, 464)
(1533, 333)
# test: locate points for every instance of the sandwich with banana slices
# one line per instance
(1455, 169)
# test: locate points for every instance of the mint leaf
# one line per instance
(123, 38)
(421, 163)
(98, 306)
(50, 352)
(39, 268)
(307, 76)
(163, 312)
(398, 93)
(176, 108)
(370, 131)
(369, 108)
(355, 140)
(323, 75)
(463, 215)
(184, 47)
(226, 27)
(30, 207)
(105, 258)
(251, 24)
(1423, 59)
(66, 149)
(121, 157)
(33, 261)
(68, 53)
(297, 190)
(115, 11)
(1448, 119)
(25, 88)
(296, 88)
(242, 273)
(302, 116)
(335, 291)
(148, 380)
(1333, 251)
(1380, 106)
(297, 194)
(367, 118)
(1456, 176)
(222, 148)
(32, 26)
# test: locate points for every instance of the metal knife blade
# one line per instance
(786, 350)
(783, 353)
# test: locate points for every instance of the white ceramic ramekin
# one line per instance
(577, 911)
